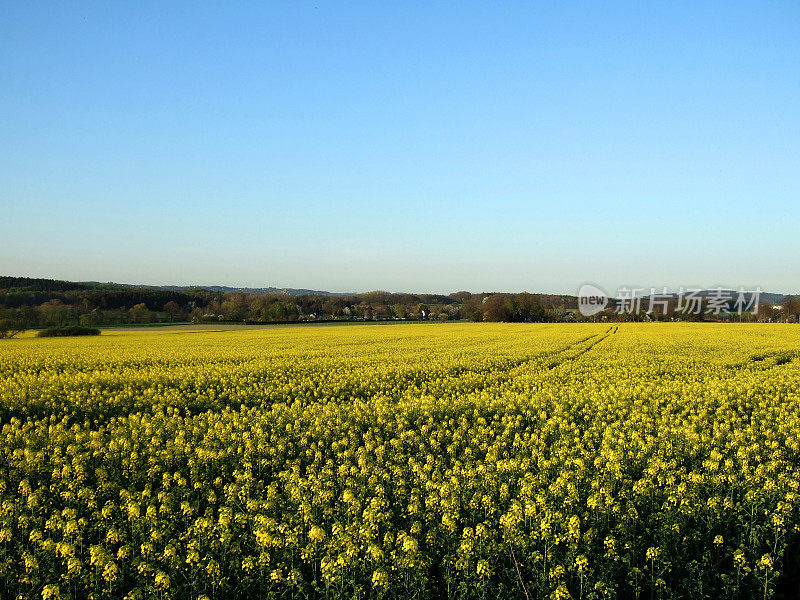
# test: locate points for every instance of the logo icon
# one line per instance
(591, 300)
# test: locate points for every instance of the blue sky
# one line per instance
(402, 146)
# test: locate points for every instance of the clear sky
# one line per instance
(405, 146)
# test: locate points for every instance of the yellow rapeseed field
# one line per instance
(404, 461)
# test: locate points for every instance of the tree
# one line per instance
(529, 309)
(767, 313)
(175, 312)
(460, 296)
(276, 311)
(498, 308)
(10, 327)
(91, 319)
(333, 307)
(29, 316)
(139, 314)
(471, 310)
(54, 313)
(790, 309)
(399, 311)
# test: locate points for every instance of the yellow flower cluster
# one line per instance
(415, 460)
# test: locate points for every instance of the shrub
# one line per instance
(67, 331)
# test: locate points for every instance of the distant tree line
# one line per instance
(37, 303)
(787, 311)
(40, 303)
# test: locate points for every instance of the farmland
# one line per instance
(402, 461)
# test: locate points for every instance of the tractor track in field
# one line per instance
(582, 345)
(767, 360)
(593, 341)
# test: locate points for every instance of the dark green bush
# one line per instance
(67, 331)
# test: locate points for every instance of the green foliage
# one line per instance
(70, 330)
(10, 328)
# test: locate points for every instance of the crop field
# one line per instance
(403, 461)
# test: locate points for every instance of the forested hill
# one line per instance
(28, 284)
(18, 292)
(47, 302)
(53, 303)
